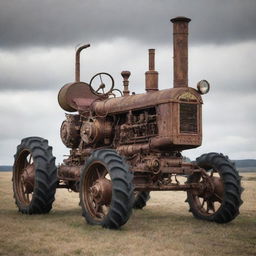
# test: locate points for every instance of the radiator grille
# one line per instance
(188, 118)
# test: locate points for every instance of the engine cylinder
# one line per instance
(70, 131)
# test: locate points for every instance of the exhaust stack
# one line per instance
(151, 74)
(180, 51)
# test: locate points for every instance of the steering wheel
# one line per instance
(99, 87)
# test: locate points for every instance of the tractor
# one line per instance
(124, 145)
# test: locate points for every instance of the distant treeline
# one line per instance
(5, 168)
(245, 163)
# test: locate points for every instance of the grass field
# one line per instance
(164, 227)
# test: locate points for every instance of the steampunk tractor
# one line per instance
(122, 146)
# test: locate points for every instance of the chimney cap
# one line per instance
(180, 18)
(125, 74)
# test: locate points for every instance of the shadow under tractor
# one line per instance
(122, 146)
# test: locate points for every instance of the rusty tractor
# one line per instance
(122, 146)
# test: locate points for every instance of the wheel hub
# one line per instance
(28, 178)
(218, 188)
(213, 190)
(102, 191)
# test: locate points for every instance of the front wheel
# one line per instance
(106, 190)
(220, 197)
(34, 176)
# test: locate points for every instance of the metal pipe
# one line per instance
(171, 187)
(151, 74)
(151, 62)
(77, 67)
(180, 51)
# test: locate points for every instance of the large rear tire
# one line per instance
(34, 176)
(221, 198)
(106, 190)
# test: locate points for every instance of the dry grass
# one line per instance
(164, 227)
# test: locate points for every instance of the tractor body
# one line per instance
(121, 148)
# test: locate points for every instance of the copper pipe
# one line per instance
(171, 187)
(77, 67)
(151, 62)
(180, 51)
(151, 74)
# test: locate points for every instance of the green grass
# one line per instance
(164, 227)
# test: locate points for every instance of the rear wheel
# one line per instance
(141, 198)
(220, 198)
(34, 176)
(106, 191)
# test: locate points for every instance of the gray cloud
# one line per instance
(25, 23)
(227, 68)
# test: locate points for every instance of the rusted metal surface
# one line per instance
(151, 75)
(24, 177)
(69, 172)
(128, 144)
(101, 191)
(126, 75)
(149, 130)
(70, 131)
(77, 68)
(180, 51)
(28, 178)
(76, 96)
(209, 197)
(140, 127)
(97, 191)
(139, 101)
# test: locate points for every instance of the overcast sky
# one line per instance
(37, 45)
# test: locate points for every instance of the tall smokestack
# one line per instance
(180, 51)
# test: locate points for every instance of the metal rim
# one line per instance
(24, 177)
(208, 201)
(97, 191)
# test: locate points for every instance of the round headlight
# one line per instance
(203, 87)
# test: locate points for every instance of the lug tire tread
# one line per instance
(45, 176)
(229, 208)
(122, 189)
(141, 200)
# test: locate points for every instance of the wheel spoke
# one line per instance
(23, 192)
(210, 206)
(213, 207)
(27, 197)
(90, 195)
(218, 197)
(24, 170)
(96, 207)
(98, 173)
(30, 158)
(202, 204)
(98, 210)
